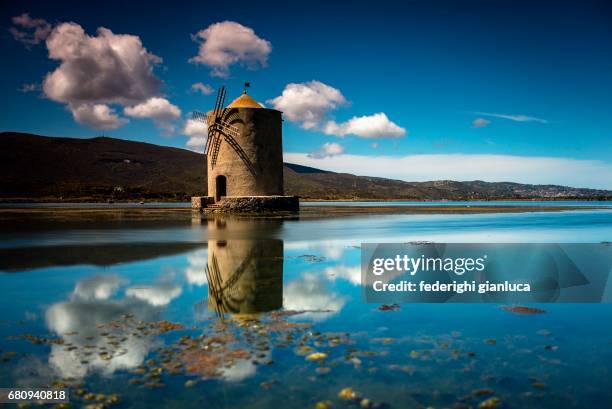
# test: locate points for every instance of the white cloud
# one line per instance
(98, 116)
(492, 168)
(81, 318)
(203, 88)
(326, 150)
(98, 287)
(195, 272)
(160, 110)
(351, 274)
(516, 118)
(227, 43)
(76, 322)
(157, 295)
(196, 143)
(369, 126)
(307, 103)
(156, 108)
(330, 249)
(28, 30)
(107, 68)
(240, 370)
(310, 293)
(197, 132)
(194, 127)
(480, 123)
(96, 71)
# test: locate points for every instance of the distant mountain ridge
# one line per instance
(34, 167)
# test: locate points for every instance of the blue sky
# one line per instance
(537, 79)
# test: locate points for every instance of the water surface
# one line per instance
(232, 312)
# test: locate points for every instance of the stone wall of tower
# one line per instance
(260, 141)
(205, 168)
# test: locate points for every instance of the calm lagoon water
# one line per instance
(228, 312)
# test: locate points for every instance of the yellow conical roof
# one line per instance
(244, 101)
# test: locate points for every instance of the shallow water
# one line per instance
(92, 295)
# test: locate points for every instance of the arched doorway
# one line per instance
(220, 187)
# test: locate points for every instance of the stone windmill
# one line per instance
(244, 153)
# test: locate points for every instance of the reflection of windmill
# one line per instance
(220, 128)
(226, 295)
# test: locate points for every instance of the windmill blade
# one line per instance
(212, 134)
(216, 112)
(199, 116)
(230, 132)
(214, 148)
(211, 120)
(214, 138)
(216, 127)
(217, 101)
(205, 119)
(228, 129)
(219, 104)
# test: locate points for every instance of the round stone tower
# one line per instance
(246, 158)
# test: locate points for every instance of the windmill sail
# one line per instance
(219, 130)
